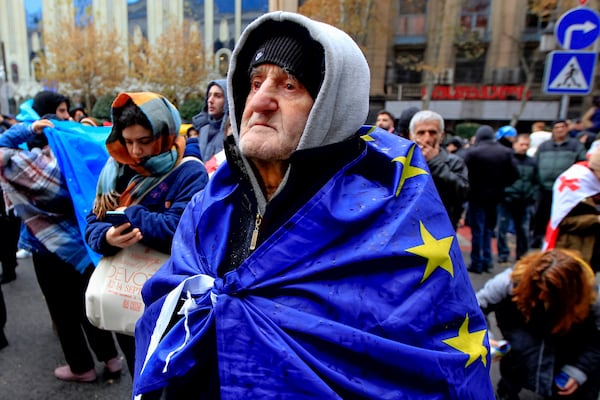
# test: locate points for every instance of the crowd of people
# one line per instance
(307, 249)
(546, 299)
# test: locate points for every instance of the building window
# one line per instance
(469, 68)
(537, 19)
(474, 16)
(408, 67)
(412, 18)
(14, 73)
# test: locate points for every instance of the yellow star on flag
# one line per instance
(470, 343)
(367, 136)
(436, 251)
(408, 171)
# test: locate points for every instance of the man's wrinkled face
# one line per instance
(427, 133)
(275, 114)
(216, 102)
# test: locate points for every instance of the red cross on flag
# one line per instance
(571, 187)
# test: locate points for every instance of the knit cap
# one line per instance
(301, 58)
(484, 133)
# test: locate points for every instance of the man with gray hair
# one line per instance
(448, 171)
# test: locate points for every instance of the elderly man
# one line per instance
(448, 171)
(318, 262)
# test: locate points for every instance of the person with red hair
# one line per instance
(547, 308)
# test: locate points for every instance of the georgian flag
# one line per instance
(570, 188)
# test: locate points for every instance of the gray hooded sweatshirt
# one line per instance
(342, 103)
(211, 130)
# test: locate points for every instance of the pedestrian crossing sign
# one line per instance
(569, 72)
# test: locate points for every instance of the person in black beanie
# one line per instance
(305, 268)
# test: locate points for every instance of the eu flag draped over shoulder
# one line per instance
(363, 293)
(81, 154)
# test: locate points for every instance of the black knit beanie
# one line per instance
(46, 102)
(301, 58)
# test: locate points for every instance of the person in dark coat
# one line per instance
(491, 169)
(402, 128)
(518, 201)
(448, 171)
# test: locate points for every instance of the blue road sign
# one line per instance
(578, 28)
(569, 72)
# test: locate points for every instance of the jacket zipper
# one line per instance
(255, 232)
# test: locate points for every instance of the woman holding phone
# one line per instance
(146, 178)
(547, 308)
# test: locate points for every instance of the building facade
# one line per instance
(471, 60)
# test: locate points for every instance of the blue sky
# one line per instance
(34, 6)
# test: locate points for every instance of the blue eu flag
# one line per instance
(363, 293)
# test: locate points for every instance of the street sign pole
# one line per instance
(572, 72)
(564, 106)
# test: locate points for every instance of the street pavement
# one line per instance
(27, 364)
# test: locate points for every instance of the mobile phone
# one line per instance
(501, 350)
(116, 218)
(561, 379)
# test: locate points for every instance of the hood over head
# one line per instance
(342, 101)
(484, 133)
(162, 115)
(46, 102)
(222, 83)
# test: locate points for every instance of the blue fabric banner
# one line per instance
(363, 293)
(81, 154)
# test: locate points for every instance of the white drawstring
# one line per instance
(194, 286)
(188, 305)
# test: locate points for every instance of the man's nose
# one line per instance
(264, 98)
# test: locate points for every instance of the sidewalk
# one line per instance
(27, 364)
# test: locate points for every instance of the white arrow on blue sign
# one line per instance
(569, 72)
(578, 28)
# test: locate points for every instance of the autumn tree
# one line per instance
(82, 60)
(174, 66)
(351, 16)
